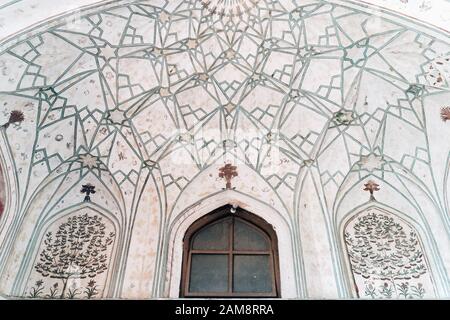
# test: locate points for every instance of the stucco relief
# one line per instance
(73, 259)
(147, 100)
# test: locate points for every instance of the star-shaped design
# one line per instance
(294, 93)
(164, 17)
(164, 92)
(192, 44)
(371, 162)
(296, 15)
(203, 76)
(344, 117)
(88, 160)
(158, 51)
(108, 52)
(256, 77)
(116, 116)
(267, 45)
(230, 107)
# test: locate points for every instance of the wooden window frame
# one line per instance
(253, 221)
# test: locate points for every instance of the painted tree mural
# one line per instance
(76, 251)
(386, 257)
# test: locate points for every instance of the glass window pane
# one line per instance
(252, 274)
(209, 273)
(213, 237)
(248, 238)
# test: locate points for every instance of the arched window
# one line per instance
(386, 256)
(230, 255)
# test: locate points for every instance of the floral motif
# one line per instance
(76, 251)
(386, 256)
(14, 117)
(88, 160)
(117, 116)
(344, 117)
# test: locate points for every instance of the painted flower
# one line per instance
(371, 186)
(16, 116)
(344, 117)
(445, 114)
(88, 160)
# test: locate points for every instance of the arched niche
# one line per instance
(74, 256)
(230, 253)
(289, 278)
(385, 255)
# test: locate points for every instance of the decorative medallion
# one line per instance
(371, 162)
(386, 257)
(228, 8)
(77, 250)
(89, 160)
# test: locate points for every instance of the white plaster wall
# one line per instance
(127, 112)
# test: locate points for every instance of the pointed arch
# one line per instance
(288, 275)
(385, 255)
(106, 230)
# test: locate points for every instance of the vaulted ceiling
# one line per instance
(152, 97)
(18, 15)
(130, 84)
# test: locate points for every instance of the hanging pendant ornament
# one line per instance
(233, 208)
